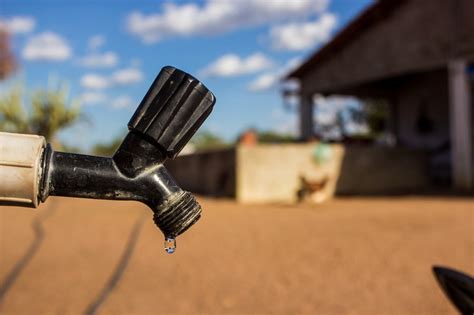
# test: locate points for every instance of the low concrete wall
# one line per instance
(274, 173)
(209, 173)
(367, 170)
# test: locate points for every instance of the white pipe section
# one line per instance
(20, 169)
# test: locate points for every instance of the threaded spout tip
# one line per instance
(178, 214)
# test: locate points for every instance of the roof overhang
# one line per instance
(371, 15)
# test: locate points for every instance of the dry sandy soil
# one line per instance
(348, 256)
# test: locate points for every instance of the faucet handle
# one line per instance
(172, 110)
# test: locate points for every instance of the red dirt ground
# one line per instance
(348, 256)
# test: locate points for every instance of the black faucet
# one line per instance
(173, 109)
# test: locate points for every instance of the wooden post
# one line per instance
(306, 117)
(460, 125)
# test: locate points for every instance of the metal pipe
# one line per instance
(85, 176)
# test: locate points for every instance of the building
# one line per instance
(418, 56)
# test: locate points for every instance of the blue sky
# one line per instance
(109, 52)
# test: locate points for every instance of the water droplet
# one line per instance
(170, 245)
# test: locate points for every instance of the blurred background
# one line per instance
(336, 169)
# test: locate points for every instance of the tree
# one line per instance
(205, 140)
(107, 149)
(50, 112)
(275, 137)
(7, 61)
(374, 113)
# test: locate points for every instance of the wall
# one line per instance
(210, 173)
(273, 173)
(472, 119)
(368, 170)
(429, 93)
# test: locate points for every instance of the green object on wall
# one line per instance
(322, 153)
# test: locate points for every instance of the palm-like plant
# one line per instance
(12, 113)
(49, 113)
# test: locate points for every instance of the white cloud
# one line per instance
(95, 98)
(92, 98)
(123, 101)
(100, 60)
(232, 65)
(135, 62)
(127, 76)
(217, 16)
(301, 36)
(47, 46)
(264, 82)
(18, 24)
(95, 81)
(272, 79)
(121, 77)
(95, 42)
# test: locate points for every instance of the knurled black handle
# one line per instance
(172, 110)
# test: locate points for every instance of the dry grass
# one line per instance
(348, 256)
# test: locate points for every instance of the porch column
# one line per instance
(460, 125)
(306, 117)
